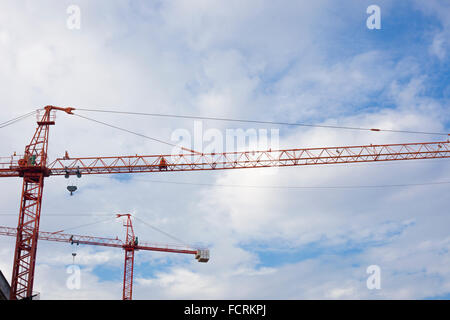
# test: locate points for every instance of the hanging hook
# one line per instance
(72, 189)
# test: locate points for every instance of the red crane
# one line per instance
(33, 168)
(130, 245)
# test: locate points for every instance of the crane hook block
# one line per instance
(72, 189)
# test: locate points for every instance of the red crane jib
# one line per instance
(234, 160)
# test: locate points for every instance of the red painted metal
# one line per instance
(33, 168)
(104, 242)
(240, 160)
(252, 159)
(129, 247)
(128, 275)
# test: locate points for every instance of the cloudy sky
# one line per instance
(286, 61)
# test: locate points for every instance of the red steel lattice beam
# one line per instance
(33, 169)
(252, 159)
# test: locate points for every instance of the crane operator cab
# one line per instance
(202, 255)
(32, 160)
(28, 160)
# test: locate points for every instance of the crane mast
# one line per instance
(129, 247)
(33, 168)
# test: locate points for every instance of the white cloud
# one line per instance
(439, 39)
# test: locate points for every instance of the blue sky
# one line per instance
(293, 61)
